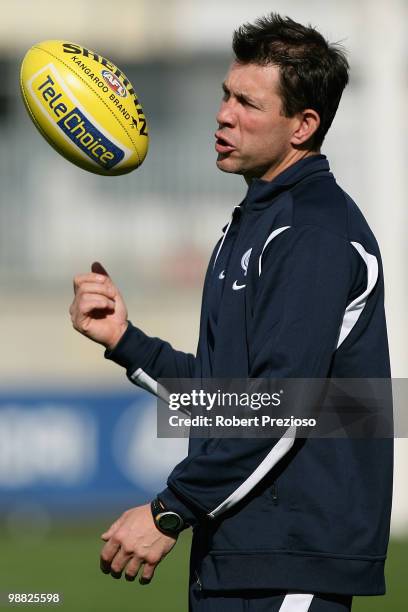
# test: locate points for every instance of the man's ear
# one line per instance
(307, 125)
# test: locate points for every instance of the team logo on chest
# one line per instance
(244, 265)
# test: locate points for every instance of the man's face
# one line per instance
(253, 135)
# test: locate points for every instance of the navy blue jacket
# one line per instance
(294, 288)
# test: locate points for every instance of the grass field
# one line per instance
(67, 561)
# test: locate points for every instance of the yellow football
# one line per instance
(85, 107)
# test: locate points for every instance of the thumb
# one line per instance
(106, 535)
(99, 269)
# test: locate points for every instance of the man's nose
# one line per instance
(226, 115)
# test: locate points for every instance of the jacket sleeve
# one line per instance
(147, 359)
(303, 284)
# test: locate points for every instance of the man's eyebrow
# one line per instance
(241, 95)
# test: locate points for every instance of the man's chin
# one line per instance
(226, 164)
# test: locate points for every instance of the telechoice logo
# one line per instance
(114, 83)
(89, 139)
(60, 109)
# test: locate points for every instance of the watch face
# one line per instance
(170, 521)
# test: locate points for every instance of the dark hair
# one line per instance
(313, 73)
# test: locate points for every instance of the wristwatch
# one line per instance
(167, 521)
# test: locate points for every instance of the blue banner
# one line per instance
(81, 451)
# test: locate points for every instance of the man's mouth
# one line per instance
(222, 145)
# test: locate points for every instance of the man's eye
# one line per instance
(245, 102)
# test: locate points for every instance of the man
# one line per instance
(294, 289)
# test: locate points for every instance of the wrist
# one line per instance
(116, 337)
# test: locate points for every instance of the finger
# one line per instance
(107, 554)
(90, 302)
(116, 575)
(119, 562)
(100, 288)
(99, 269)
(132, 569)
(90, 277)
(148, 573)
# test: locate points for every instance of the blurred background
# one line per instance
(78, 442)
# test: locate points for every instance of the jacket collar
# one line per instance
(260, 192)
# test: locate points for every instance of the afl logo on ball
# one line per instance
(114, 83)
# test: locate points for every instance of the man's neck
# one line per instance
(290, 159)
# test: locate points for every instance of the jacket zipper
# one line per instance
(198, 580)
(233, 217)
(274, 491)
